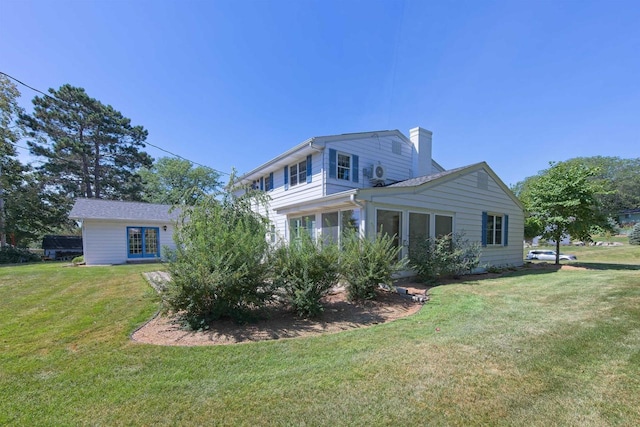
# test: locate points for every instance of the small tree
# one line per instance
(305, 271)
(218, 267)
(634, 236)
(367, 263)
(564, 199)
(450, 255)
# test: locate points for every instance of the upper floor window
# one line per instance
(344, 166)
(298, 173)
(264, 183)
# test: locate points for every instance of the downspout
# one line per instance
(352, 198)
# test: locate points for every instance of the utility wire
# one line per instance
(146, 143)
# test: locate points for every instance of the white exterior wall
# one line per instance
(371, 151)
(105, 242)
(462, 199)
(295, 194)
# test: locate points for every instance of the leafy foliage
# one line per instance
(174, 181)
(27, 208)
(91, 149)
(11, 255)
(305, 271)
(618, 178)
(634, 236)
(450, 255)
(367, 263)
(217, 269)
(564, 199)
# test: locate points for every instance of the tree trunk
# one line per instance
(86, 178)
(96, 167)
(558, 250)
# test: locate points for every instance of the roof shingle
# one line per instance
(118, 210)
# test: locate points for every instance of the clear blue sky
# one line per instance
(234, 83)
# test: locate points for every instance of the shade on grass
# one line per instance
(535, 347)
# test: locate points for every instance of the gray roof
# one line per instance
(117, 210)
(413, 182)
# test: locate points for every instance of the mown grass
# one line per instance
(535, 347)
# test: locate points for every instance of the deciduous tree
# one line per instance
(564, 199)
(176, 181)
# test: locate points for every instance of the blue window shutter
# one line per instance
(308, 168)
(354, 167)
(484, 229)
(261, 184)
(270, 181)
(286, 177)
(506, 230)
(333, 163)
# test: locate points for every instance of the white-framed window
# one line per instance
(298, 173)
(272, 234)
(494, 229)
(344, 166)
(303, 224)
(336, 224)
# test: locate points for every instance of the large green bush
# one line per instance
(217, 269)
(634, 236)
(450, 255)
(366, 263)
(304, 271)
(11, 255)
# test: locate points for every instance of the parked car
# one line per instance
(546, 255)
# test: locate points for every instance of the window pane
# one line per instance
(302, 172)
(350, 220)
(135, 241)
(294, 175)
(498, 226)
(305, 224)
(388, 222)
(490, 229)
(330, 227)
(344, 166)
(444, 225)
(151, 241)
(418, 229)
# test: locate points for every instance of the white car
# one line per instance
(545, 255)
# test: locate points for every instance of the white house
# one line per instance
(115, 232)
(382, 180)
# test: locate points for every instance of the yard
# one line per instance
(534, 347)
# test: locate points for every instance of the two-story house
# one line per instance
(384, 181)
(369, 181)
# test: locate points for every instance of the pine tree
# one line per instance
(91, 149)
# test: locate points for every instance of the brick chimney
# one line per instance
(421, 153)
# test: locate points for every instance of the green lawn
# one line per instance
(536, 347)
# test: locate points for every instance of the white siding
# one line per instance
(105, 242)
(461, 198)
(371, 151)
